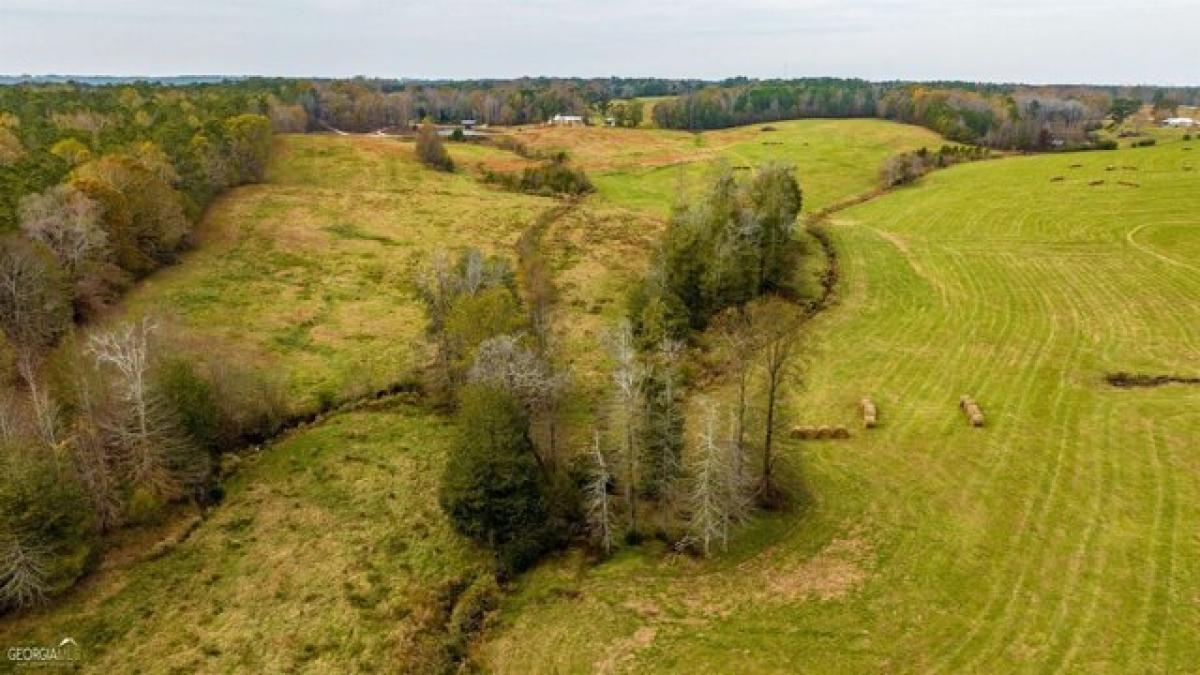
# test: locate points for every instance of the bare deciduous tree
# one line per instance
(628, 374)
(34, 312)
(67, 221)
(154, 453)
(709, 521)
(736, 334)
(719, 497)
(599, 502)
(777, 331)
(503, 362)
(439, 285)
(664, 419)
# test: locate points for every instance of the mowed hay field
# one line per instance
(646, 169)
(311, 272)
(1061, 537)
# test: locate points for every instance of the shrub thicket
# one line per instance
(46, 535)
(907, 167)
(555, 177)
(430, 149)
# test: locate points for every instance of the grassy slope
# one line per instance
(328, 554)
(604, 245)
(924, 544)
(311, 271)
(1060, 537)
(644, 169)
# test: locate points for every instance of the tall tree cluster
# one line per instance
(733, 244)
(504, 484)
(721, 254)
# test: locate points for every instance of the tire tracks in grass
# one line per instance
(1162, 554)
(1131, 238)
(1022, 618)
(1000, 608)
(1068, 279)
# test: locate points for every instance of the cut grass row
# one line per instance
(1059, 538)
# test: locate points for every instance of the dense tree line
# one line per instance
(998, 116)
(98, 187)
(108, 181)
(367, 105)
(48, 131)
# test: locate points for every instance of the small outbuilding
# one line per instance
(468, 124)
(561, 120)
(1179, 122)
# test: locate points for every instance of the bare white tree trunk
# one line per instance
(154, 453)
(44, 412)
(627, 381)
(709, 519)
(599, 503)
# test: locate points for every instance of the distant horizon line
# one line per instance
(66, 77)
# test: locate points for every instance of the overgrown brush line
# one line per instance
(1002, 117)
(122, 426)
(907, 167)
(553, 178)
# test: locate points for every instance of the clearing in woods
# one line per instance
(1061, 537)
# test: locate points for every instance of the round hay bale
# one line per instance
(803, 432)
(869, 412)
(824, 431)
(841, 433)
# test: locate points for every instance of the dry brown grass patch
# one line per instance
(831, 574)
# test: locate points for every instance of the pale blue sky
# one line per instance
(1156, 41)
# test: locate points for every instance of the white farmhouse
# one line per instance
(1180, 122)
(566, 120)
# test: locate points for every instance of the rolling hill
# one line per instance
(1059, 537)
